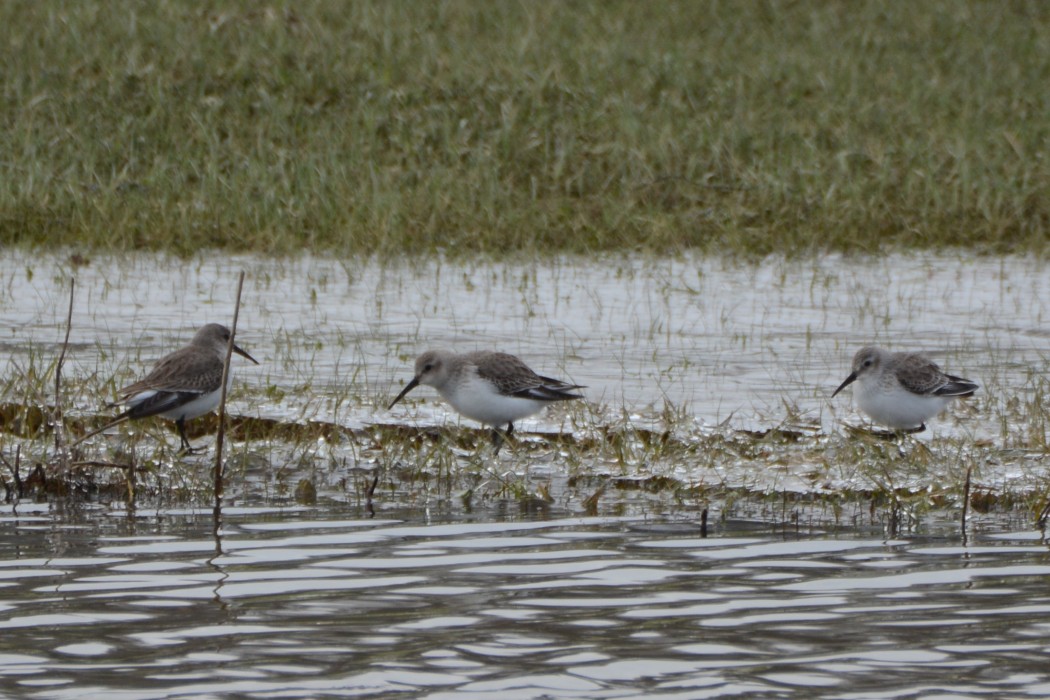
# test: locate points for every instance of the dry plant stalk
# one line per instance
(218, 469)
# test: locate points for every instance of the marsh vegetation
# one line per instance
(708, 384)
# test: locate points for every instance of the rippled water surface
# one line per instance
(307, 603)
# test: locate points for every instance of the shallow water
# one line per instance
(721, 341)
(685, 346)
(309, 603)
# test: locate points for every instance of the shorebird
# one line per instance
(902, 390)
(182, 385)
(493, 388)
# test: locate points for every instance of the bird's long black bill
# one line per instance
(849, 380)
(242, 353)
(408, 387)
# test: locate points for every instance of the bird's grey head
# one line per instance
(432, 367)
(212, 335)
(216, 337)
(868, 359)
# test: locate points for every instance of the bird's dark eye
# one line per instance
(867, 363)
(427, 368)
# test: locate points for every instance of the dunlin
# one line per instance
(493, 388)
(902, 390)
(181, 386)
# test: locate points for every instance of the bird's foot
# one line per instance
(187, 449)
(885, 434)
(499, 437)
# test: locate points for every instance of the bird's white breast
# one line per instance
(895, 406)
(479, 399)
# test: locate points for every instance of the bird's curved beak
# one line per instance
(242, 353)
(408, 387)
(849, 380)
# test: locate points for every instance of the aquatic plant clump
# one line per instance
(793, 475)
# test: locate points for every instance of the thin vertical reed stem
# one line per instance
(57, 418)
(966, 503)
(218, 471)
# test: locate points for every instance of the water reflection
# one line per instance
(300, 606)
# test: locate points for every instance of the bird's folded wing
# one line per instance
(190, 371)
(956, 386)
(159, 402)
(547, 389)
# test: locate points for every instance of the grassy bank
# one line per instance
(394, 127)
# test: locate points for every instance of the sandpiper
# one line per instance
(493, 388)
(182, 385)
(902, 390)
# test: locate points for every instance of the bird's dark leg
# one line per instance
(186, 446)
(497, 436)
(912, 431)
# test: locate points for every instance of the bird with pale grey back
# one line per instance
(902, 390)
(493, 388)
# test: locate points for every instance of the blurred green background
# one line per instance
(393, 128)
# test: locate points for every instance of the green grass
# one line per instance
(486, 127)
